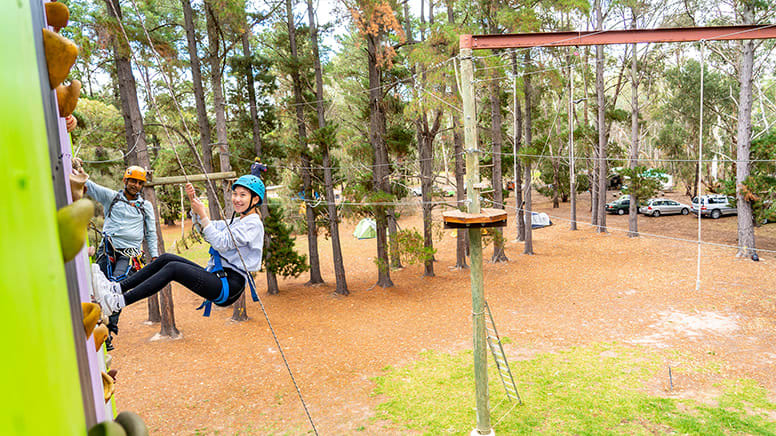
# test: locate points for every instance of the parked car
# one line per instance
(714, 206)
(663, 206)
(619, 206)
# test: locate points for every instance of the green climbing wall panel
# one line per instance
(39, 371)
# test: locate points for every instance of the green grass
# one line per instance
(197, 252)
(593, 390)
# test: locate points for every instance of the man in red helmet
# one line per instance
(129, 220)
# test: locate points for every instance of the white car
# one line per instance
(663, 206)
(714, 206)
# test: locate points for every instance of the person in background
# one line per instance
(129, 220)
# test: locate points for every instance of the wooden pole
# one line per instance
(174, 180)
(572, 169)
(475, 238)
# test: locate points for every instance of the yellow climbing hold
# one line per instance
(73, 221)
(91, 314)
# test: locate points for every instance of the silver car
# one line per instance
(663, 206)
(714, 206)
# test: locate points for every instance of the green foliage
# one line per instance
(679, 116)
(759, 189)
(279, 254)
(99, 141)
(564, 188)
(597, 389)
(411, 249)
(642, 183)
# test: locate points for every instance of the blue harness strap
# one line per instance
(218, 269)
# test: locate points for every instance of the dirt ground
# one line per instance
(580, 287)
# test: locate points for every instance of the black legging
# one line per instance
(169, 267)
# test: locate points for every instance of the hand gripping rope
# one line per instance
(211, 186)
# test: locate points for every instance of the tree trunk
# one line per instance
(460, 193)
(460, 165)
(239, 309)
(633, 211)
(339, 266)
(312, 230)
(199, 100)
(601, 97)
(528, 246)
(497, 141)
(393, 239)
(380, 170)
(528, 139)
(572, 156)
(133, 124)
(219, 107)
(746, 242)
(272, 281)
(426, 183)
(518, 170)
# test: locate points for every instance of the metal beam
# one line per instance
(560, 39)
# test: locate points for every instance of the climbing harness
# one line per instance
(218, 270)
(211, 186)
(139, 205)
(112, 253)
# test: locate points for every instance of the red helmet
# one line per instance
(135, 172)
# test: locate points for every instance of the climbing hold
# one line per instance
(57, 15)
(67, 97)
(78, 184)
(91, 314)
(112, 373)
(108, 386)
(133, 424)
(107, 428)
(100, 333)
(73, 221)
(60, 56)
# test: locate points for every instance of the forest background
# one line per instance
(355, 114)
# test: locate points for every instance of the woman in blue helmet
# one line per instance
(224, 279)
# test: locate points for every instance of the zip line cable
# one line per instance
(220, 208)
(433, 67)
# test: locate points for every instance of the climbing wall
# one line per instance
(54, 370)
(39, 372)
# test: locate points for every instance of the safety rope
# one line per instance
(218, 203)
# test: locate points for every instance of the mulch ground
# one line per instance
(579, 288)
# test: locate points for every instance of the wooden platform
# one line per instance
(455, 219)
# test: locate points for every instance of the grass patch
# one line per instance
(593, 390)
(197, 253)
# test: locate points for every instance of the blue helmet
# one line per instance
(253, 184)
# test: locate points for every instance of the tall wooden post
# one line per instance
(572, 170)
(475, 237)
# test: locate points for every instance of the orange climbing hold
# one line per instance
(67, 97)
(60, 56)
(57, 15)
